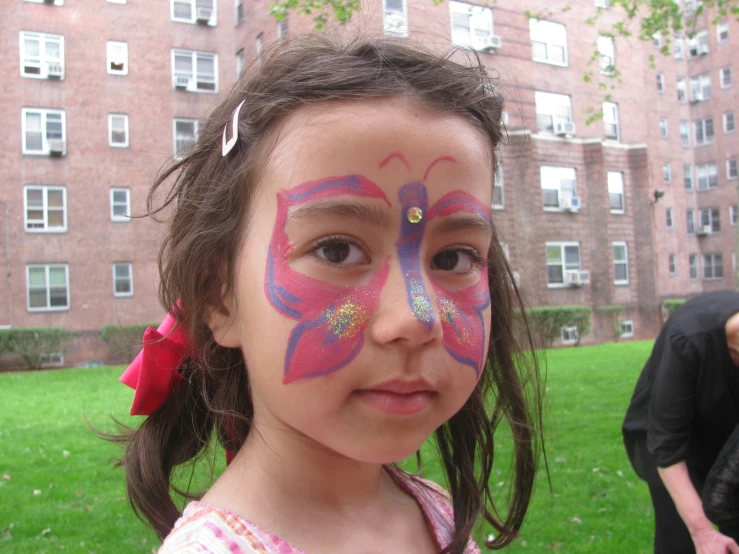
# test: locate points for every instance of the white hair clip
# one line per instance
(229, 144)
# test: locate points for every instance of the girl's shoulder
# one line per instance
(205, 529)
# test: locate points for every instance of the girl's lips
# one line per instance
(394, 403)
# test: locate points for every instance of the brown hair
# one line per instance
(209, 203)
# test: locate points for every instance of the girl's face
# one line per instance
(361, 300)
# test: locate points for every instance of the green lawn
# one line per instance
(58, 491)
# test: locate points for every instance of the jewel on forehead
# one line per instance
(414, 215)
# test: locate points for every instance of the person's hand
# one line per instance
(709, 541)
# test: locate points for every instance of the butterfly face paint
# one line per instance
(331, 319)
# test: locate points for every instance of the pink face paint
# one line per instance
(392, 156)
(331, 319)
(436, 161)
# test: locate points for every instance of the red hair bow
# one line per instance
(153, 374)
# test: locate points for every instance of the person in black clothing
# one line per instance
(683, 410)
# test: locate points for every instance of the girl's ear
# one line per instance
(222, 322)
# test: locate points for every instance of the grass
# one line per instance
(59, 492)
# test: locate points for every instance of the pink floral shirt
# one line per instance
(204, 529)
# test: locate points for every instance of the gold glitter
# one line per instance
(414, 215)
(348, 319)
(448, 311)
(420, 302)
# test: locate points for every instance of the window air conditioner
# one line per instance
(563, 129)
(696, 97)
(572, 278)
(703, 231)
(181, 82)
(702, 49)
(49, 1)
(571, 204)
(491, 42)
(203, 15)
(56, 147)
(54, 70)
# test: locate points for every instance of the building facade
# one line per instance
(617, 213)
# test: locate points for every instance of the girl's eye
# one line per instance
(341, 252)
(456, 261)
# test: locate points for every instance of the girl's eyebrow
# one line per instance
(464, 221)
(371, 214)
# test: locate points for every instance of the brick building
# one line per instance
(628, 210)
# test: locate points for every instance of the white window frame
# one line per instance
(678, 44)
(44, 113)
(240, 63)
(731, 169)
(607, 55)
(722, 32)
(698, 44)
(693, 266)
(116, 279)
(193, 8)
(43, 224)
(113, 204)
(563, 263)
(732, 215)
(283, 28)
(196, 124)
(669, 218)
(712, 266)
(610, 118)
(551, 35)
(690, 221)
(672, 265)
(43, 61)
(713, 218)
(682, 90)
(626, 329)
(604, 4)
(192, 73)
(664, 130)
(117, 55)
(700, 85)
(667, 173)
(707, 174)
(117, 1)
(260, 47)
(124, 118)
(551, 104)
(661, 83)
(690, 181)
(395, 22)
(499, 185)
(551, 178)
(685, 133)
(54, 3)
(729, 116)
(569, 335)
(616, 187)
(620, 262)
(239, 11)
(47, 286)
(700, 128)
(724, 77)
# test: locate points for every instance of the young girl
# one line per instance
(337, 293)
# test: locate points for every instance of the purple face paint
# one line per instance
(331, 319)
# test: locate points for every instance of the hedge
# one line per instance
(613, 311)
(31, 344)
(547, 321)
(124, 341)
(672, 304)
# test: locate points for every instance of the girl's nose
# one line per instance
(407, 312)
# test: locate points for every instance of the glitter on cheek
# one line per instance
(451, 316)
(348, 319)
(419, 301)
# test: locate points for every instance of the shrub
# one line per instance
(124, 341)
(613, 311)
(672, 304)
(547, 321)
(31, 344)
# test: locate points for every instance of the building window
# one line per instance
(703, 131)
(620, 263)
(185, 135)
(195, 71)
(548, 42)
(610, 121)
(660, 82)
(626, 329)
(602, 4)
(54, 3)
(672, 265)
(691, 222)
(559, 187)
(239, 11)
(713, 267)
(552, 111)
(693, 262)
(688, 176)
(722, 31)
(45, 209)
(283, 27)
(679, 47)
(663, 129)
(570, 335)
(669, 219)
(710, 220)
(700, 87)
(607, 54)
(44, 131)
(561, 257)
(698, 44)
(48, 287)
(685, 133)
(260, 47)
(616, 192)
(499, 189)
(729, 124)
(395, 18)
(117, 58)
(707, 176)
(42, 55)
(732, 214)
(731, 170)
(194, 11)
(120, 204)
(118, 130)
(725, 77)
(122, 279)
(240, 62)
(667, 173)
(681, 90)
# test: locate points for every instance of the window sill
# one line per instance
(119, 295)
(621, 283)
(46, 231)
(618, 212)
(44, 310)
(547, 62)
